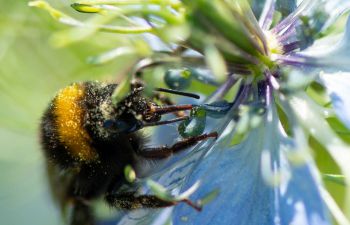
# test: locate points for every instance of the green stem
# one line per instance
(173, 3)
(124, 30)
(63, 18)
(164, 14)
(144, 11)
(266, 60)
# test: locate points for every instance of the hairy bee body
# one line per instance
(84, 161)
(88, 143)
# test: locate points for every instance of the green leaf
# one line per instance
(121, 91)
(336, 178)
(216, 62)
(110, 55)
(85, 8)
(56, 14)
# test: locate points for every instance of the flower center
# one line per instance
(273, 44)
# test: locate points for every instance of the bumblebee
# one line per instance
(88, 141)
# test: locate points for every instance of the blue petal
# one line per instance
(245, 197)
(257, 7)
(286, 7)
(172, 175)
(301, 202)
(322, 15)
(236, 172)
(330, 54)
(338, 88)
(308, 20)
(333, 9)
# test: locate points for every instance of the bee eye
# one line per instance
(121, 126)
(117, 125)
(108, 124)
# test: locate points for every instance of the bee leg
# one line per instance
(165, 151)
(82, 214)
(130, 200)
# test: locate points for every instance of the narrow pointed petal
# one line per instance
(337, 85)
(318, 19)
(332, 10)
(290, 20)
(313, 21)
(330, 54)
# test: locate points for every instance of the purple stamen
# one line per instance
(269, 95)
(291, 47)
(241, 96)
(223, 89)
(286, 34)
(295, 60)
(271, 79)
(262, 88)
(265, 20)
(289, 20)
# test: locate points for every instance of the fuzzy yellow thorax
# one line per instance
(69, 118)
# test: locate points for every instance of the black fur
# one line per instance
(88, 180)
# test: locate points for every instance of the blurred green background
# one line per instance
(31, 71)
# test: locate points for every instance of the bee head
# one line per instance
(128, 115)
(107, 120)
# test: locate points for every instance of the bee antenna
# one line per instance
(187, 94)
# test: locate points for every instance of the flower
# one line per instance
(291, 77)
